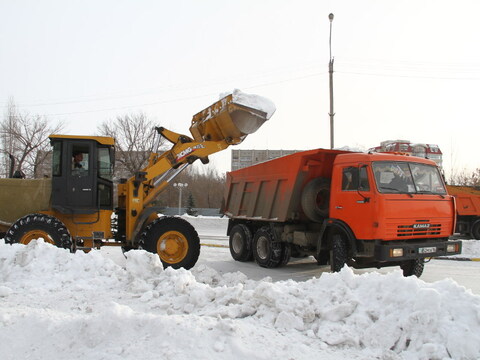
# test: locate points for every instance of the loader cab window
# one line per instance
(80, 160)
(105, 163)
(57, 159)
(106, 158)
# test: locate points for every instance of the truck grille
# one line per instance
(419, 229)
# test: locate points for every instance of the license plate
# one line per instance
(427, 250)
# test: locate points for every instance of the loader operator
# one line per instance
(77, 160)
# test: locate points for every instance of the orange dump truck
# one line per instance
(468, 209)
(364, 210)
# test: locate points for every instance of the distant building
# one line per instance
(245, 158)
(429, 151)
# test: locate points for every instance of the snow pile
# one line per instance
(254, 101)
(61, 305)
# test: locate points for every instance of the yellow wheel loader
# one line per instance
(74, 208)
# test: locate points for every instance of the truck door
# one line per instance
(351, 199)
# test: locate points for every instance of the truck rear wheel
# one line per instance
(266, 252)
(476, 230)
(413, 267)
(240, 243)
(286, 253)
(339, 252)
(174, 240)
(39, 226)
(315, 199)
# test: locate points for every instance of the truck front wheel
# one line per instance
(174, 240)
(476, 230)
(266, 252)
(413, 267)
(240, 243)
(339, 252)
(39, 226)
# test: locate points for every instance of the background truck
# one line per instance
(74, 208)
(364, 210)
(468, 209)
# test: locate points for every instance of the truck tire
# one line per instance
(266, 252)
(413, 267)
(322, 258)
(339, 252)
(174, 240)
(35, 226)
(315, 199)
(240, 243)
(286, 253)
(476, 230)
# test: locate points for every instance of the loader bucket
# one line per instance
(227, 120)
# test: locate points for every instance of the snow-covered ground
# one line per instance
(57, 305)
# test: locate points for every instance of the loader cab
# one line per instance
(82, 173)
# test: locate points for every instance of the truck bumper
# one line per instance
(400, 250)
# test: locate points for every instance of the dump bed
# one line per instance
(467, 199)
(271, 190)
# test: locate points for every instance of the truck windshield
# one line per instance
(394, 177)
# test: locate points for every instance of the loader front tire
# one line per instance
(175, 241)
(39, 226)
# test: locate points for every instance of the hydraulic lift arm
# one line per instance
(226, 122)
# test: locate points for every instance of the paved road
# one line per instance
(465, 273)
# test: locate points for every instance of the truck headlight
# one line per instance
(396, 252)
(452, 248)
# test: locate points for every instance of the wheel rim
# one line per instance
(172, 247)
(36, 234)
(262, 247)
(237, 243)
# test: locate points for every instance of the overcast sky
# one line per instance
(403, 69)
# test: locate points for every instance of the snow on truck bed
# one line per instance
(58, 305)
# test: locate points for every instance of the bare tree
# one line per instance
(205, 188)
(464, 178)
(133, 134)
(25, 138)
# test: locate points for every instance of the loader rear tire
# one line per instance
(315, 199)
(39, 226)
(266, 252)
(175, 241)
(240, 243)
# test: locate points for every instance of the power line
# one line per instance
(182, 98)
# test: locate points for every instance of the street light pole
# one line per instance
(180, 187)
(330, 71)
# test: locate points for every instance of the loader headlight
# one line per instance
(396, 252)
